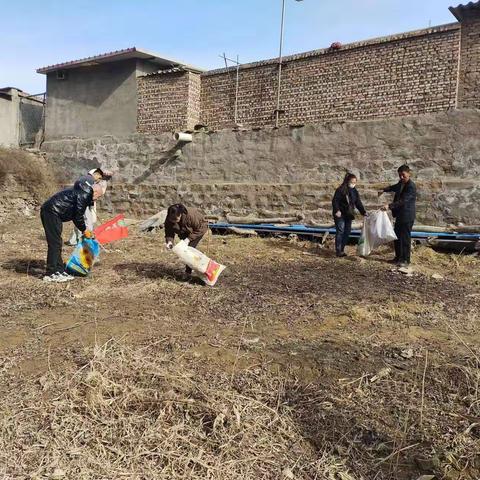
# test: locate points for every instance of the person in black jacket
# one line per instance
(344, 202)
(403, 210)
(94, 176)
(68, 205)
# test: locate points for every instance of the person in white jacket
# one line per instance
(98, 177)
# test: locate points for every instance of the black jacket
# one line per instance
(403, 206)
(85, 182)
(70, 204)
(347, 205)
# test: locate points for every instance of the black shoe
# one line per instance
(185, 277)
(394, 261)
(341, 254)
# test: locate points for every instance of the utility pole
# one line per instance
(280, 58)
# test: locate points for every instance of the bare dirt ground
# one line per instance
(296, 365)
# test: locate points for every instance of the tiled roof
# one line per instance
(167, 71)
(7, 90)
(117, 55)
(464, 11)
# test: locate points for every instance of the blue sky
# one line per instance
(38, 33)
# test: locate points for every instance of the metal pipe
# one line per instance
(277, 110)
(280, 60)
(237, 82)
(36, 95)
(236, 93)
(225, 59)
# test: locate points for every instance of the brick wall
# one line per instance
(163, 102)
(193, 108)
(168, 101)
(405, 74)
(426, 71)
(469, 78)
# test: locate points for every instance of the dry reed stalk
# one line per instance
(423, 388)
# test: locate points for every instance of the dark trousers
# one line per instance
(343, 228)
(403, 245)
(192, 244)
(53, 231)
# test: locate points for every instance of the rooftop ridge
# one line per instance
(460, 10)
(116, 53)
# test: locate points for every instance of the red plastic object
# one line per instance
(212, 270)
(112, 230)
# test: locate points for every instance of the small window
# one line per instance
(61, 75)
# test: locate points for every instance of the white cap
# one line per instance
(93, 170)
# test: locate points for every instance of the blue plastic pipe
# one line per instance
(304, 230)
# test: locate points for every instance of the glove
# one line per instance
(107, 175)
(187, 241)
(88, 234)
(169, 245)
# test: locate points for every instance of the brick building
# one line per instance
(425, 71)
(103, 95)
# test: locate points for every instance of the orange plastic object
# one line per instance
(112, 230)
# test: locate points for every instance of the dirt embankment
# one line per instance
(26, 180)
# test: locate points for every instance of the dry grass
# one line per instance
(457, 264)
(30, 172)
(144, 413)
(297, 365)
(140, 414)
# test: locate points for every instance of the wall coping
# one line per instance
(349, 46)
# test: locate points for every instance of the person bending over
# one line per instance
(65, 206)
(98, 177)
(189, 224)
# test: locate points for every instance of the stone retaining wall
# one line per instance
(439, 203)
(286, 168)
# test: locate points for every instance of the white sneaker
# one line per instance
(55, 277)
(67, 276)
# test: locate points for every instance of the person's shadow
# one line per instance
(25, 266)
(303, 246)
(155, 271)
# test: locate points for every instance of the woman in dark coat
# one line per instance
(344, 203)
(189, 224)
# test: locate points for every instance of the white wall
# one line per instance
(9, 111)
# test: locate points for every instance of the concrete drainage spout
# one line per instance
(183, 137)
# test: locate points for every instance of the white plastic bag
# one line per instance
(363, 246)
(208, 269)
(377, 230)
